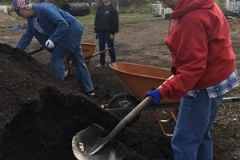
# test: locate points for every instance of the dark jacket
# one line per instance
(107, 19)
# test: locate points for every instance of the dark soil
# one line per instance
(39, 114)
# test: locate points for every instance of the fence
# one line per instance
(234, 6)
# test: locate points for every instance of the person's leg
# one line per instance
(83, 77)
(205, 150)
(110, 44)
(101, 43)
(57, 59)
(194, 121)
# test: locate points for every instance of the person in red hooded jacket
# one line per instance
(204, 70)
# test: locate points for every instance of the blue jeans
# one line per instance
(57, 59)
(58, 56)
(103, 38)
(191, 138)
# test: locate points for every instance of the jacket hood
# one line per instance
(185, 6)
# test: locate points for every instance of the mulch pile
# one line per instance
(234, 25)
(39, 114)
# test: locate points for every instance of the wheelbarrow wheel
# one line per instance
(123, 100)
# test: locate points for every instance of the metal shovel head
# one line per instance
(87, 140)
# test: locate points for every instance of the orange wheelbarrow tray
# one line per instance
(88, 50)
(138, 79)
(141, 78)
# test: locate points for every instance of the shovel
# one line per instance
(93, 55)
(38, 50)
(96, 54)
(87, 145)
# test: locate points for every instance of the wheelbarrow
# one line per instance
(138, 79)
(88, 144)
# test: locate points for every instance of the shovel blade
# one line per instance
(87, 140)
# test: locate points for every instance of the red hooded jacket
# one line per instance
(201, 48)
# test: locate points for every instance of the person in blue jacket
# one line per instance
(60, 32)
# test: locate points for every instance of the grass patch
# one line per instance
(123, 18)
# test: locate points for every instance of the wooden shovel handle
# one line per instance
(135, 112)
(124, 122)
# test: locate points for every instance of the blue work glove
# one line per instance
(157, 97)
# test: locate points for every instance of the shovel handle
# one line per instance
(144, 104)
(124, 122)
(135, 112)
(38, 50)
(98, 53)
(230, 99)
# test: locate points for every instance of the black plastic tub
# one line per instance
(77, 9)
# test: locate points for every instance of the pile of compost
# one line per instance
(39, 115)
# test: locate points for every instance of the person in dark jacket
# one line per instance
(60, 32)
(105, 26)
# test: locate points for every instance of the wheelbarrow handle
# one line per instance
(96, 54)
(230, 99)
(38, 50)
